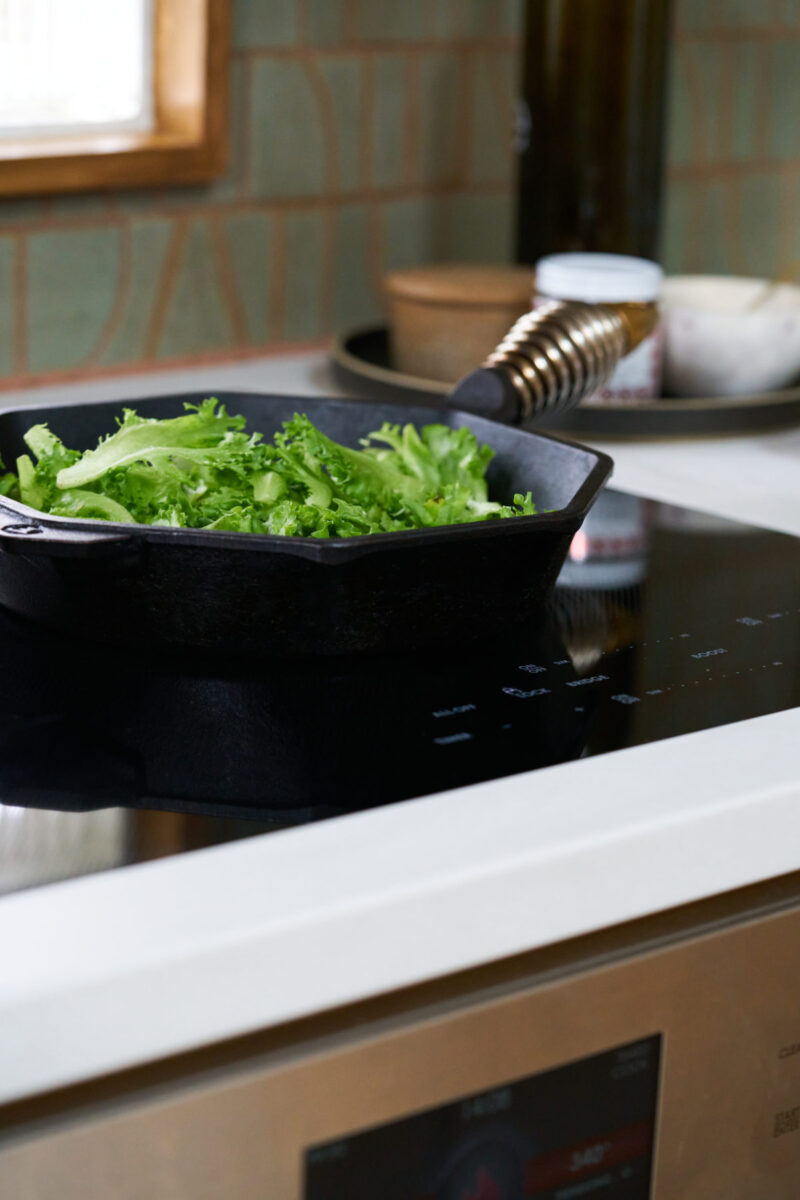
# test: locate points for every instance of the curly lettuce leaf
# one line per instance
(147, 439)
(90, 505)
(203, 471)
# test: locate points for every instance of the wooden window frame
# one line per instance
(191, 44)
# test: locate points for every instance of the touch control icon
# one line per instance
(484, 1168)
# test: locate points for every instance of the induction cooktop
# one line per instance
(665, 621)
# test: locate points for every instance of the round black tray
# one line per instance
(362, 362)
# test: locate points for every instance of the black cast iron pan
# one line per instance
(280, 595)
(245, 593)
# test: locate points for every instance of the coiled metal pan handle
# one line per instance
(553, 358)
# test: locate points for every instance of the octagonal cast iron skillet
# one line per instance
(287, 595)
(380, 593)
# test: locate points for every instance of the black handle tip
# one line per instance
(488, 393)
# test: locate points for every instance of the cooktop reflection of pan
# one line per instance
(85, 728)
(154, 586)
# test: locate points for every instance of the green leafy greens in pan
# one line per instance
(203, 471)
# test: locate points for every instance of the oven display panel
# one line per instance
(583, 1129)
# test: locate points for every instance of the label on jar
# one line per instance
(637, 376)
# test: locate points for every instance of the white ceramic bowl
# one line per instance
(727, 336)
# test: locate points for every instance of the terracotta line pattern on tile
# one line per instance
(246, 165)
(789, 244)
(330, 133)
(276, 306)
(364, 49)
(733, 170)
(197, 209)
(500, 95)
(739, 33)
(328, 261)
(244, 104)
(497, 12)
(762, 99)
(166, 287)
(75, 221)
(366, 127)
(733, 219)
(726, 101)
(699, 140)
(374, 256)
(454, 7)
(20, 303)
(413, 120)
(225, 275)
(350, 21)
(120, 298)
(303, 24)
(223, 357)
(467, 69)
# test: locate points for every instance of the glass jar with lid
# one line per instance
(613, 279)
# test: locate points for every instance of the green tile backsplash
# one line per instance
(265, 23)
(197, 315)
(325, 22)
(8, 322)
(144, 250)
(356, 289)
(73, 278)
(368, 135)
(388, 93)
(301, 309)
(290, 145)
(248, 243)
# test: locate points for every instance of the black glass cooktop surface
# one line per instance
(665, 621)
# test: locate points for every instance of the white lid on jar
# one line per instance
(598, 277)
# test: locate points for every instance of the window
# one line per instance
(111, 93)
(83, 65)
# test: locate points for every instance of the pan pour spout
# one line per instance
(552, 358)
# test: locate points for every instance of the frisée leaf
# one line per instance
(202, 470)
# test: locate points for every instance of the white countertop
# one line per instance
(122, 967)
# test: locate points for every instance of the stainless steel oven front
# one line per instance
(657, 1059)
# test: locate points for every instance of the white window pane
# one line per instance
(74, 65)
